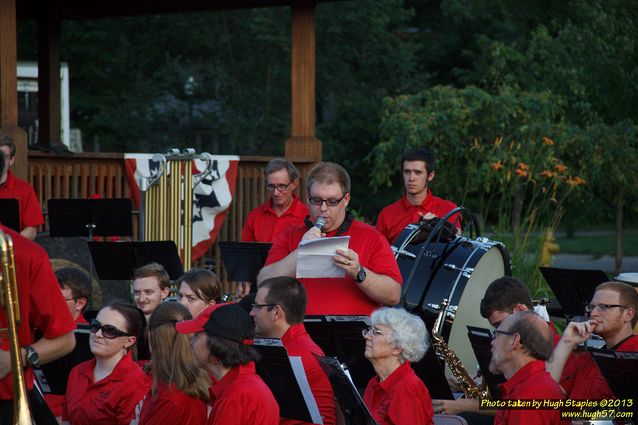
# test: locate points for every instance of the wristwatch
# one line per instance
(31, 357)
(361, 275)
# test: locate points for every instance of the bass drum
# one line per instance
(459, 270)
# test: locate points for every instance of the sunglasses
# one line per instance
(108, 331)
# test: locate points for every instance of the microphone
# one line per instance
(320, 223)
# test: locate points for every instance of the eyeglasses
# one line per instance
(602, 307)
(495, 333)
(371, 331)
(256, 306)
(71, 299)
(279, 187)
(108, 331)
(315, 200)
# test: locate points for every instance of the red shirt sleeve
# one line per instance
(248, 232)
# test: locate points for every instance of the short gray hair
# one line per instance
(277, 164)
(407, 332)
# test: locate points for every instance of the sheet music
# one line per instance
(304, 386)
(314, 257)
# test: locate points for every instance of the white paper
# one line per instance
(314, 257)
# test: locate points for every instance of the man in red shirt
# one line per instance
(372, 276)
(11, 187)
(418, 201)
(507, 295)
(612, 313)
(41, 307)
(278, 312)
(283, 207)
(521, 344)
(151, 285)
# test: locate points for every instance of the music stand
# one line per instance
(90, 217)
(620, 369)
(286, 378)
(481, 340)
(573, 288)
(53, 377)
(351, 404)
(340, 337)
(118, 260)
(243, 260)
(10, 213)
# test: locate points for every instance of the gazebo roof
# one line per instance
(83, 9)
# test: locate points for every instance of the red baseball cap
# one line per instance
(197, 324)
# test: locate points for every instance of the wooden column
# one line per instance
(9, 85)
(302, 142)
(49, 78)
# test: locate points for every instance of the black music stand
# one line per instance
(574, 289)
(243, 260)
(481, 340)
(53, 377)
(90, 217)
(291, 392)
(118, 260)
(352, 407)
(620, 369)
(10, 213)
(340, 337)
(432, 372)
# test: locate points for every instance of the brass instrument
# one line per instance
(21, 412)
(167, 199)
(465, 381)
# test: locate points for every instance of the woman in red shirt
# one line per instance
(198, 289)
(180, 388)
(396, 395)
(106, 390)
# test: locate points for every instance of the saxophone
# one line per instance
(465, 381)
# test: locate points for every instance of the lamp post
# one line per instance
(189, 91)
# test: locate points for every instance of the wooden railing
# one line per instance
(83, 175)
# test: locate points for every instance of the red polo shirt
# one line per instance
(393, 218)
(341, 295)
(42, 306)
(30, 210)
(110, 401)
(298, 343)
(170, 406)
(262, 223)
(402, 398)
(242, 398)
(628, 344)
(531, 381)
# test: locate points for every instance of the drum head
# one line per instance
(490, 267)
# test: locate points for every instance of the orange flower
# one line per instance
(496, 165)
(575, 181)
(523, 166)
(561, 168)
(521, 172)
(548, 174)
(547, 141)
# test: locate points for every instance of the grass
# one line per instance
(598, 244)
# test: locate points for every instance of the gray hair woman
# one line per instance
(396, 395)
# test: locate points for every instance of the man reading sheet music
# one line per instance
(371, 274)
